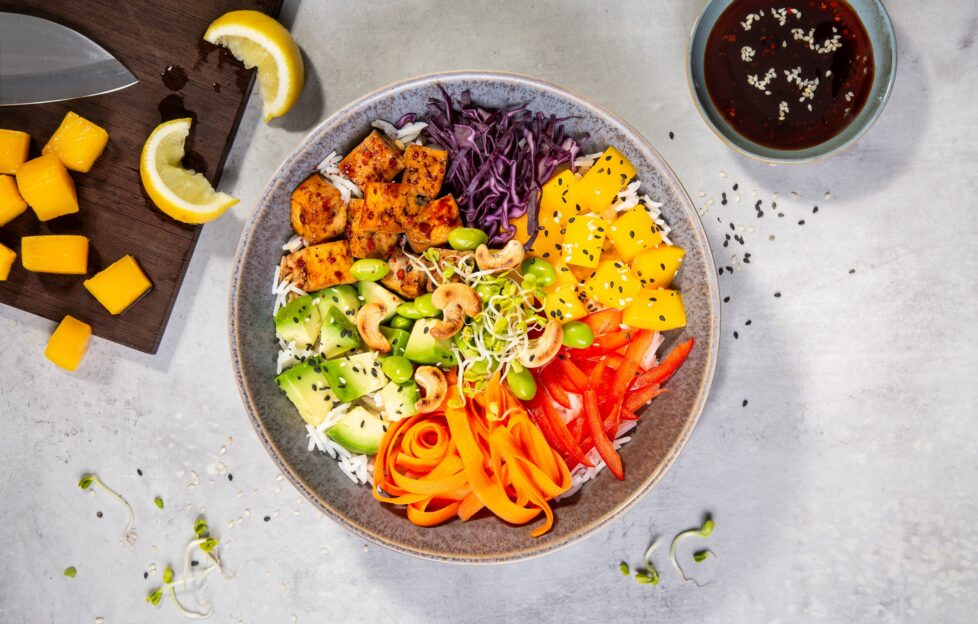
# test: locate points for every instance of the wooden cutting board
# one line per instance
(180, 75)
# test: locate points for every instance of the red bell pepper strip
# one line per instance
(637, 399)
(629, 366)
(575, 374)
(554, 388)
(612, 421)
(603, 321)
(563, 441)
(665, 370)
(606, 449)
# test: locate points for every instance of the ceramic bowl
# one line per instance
(883, 39)
(657, 440)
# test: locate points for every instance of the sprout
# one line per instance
(168, 575)
(158, 502)
(650, 570)
(645, 578)
(208, 546)
(200, 527)
(702, 555)
(704, 531)
(70, 571)
(155, 596)
(129, 534)
(623, 568)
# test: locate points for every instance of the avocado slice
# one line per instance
(309, 390)
(424, 349)
(338, 334)
(372, 292)
(359, 431)
(354, 376)
(398, 339)
(399, 401)
(298, 321)
(344, 297)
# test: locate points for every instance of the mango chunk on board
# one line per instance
(12, 205)
(120, 285)
(7, 257)
(77, 142)
(46, 186)
(14, 145)
(66, 254)
(68, 343)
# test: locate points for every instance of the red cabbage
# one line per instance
(499, 160)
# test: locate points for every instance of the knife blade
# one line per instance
(42, 61)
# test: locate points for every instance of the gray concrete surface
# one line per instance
(843, 492)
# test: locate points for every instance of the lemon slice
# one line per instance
(183, 194)
(259, 41)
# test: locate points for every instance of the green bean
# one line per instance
(467, 239)
(577, 335)
(401, 322)
(521, 382)
(370, 269)
(543, 271)
(398, 368)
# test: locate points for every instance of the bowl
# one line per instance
(883, 40)
(657, 440)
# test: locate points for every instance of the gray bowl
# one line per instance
(877, 22)
(662, 431)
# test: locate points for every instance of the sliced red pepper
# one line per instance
(603, 321)
(612, 421)
(563, 442)
(637, 399)
(667, 368)
(606, 449)
(576, 427)
(573, 373)
(629, 367)
(554, 388)
(627, 415)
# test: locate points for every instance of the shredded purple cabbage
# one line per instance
(405, 120)
(499, 160)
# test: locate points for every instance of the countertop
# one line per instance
(836, 453)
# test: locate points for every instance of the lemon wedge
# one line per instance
(183, 194)
(259, 41)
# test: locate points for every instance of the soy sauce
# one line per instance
(789, 74)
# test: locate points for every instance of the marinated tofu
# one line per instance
(366, 243)
(376, 159)
(318, 266)
(424, 170)
(318, 211)
(431, 226)
(404, 278)
(385, 207)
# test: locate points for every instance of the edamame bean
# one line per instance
(543, 271)
(409, 310)
(370, 269)
(425, 306)
(401, 322)
(467, 239)
(398, 368)
(521, 382)
(577, 335)
(486, 291)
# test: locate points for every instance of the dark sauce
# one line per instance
(789, 74)
(174, 77)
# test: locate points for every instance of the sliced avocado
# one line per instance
(354, 376)
(372, 292)
(338, 334)
(359, 431)
(309, 390)
(424, 349)
(343, 297)
(398, 339)
(298, 321)
(399, 401)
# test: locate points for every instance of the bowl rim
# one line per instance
(579, 533)
(786, 159)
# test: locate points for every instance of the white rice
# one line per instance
(581, 474)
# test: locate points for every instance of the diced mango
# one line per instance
(563, 303)
(14, 145)
(55, 254)
(581, 273)
(583, 238)
(656, 268)
(68, 343)
(633, 231)
(607, 177)
(7, 257)
(48, 188)
(656, 309)
(553, 212)
(612, 285)
(120, 285)
(12, 205)
(77, 142)
(565, 276)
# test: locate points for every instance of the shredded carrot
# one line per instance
(485, 453)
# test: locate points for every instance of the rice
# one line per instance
(581, 474)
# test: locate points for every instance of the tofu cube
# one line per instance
(77, 142)
(46, 185)
(12, 205)
(317, 210)
(424, 170)
(404, 278)
(376, 159)
(120, 285)
(364, 242)
(385, 207)
(66, 254)
(433, 223)
(68, 343)
(318, 266)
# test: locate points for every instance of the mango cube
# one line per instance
(656, 309)
(563, 303)
(45, 184)
(77, 142)
(552, 213)
(583, 238)
(608, 176)
(633, 231)
(12, 205)
(14, 145)
(612, 284)
(66, 254)
(120, 285)
(7, 257)
(656, 268)
(68, 343)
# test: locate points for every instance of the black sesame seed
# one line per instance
(851, 271)
(736, 186)
(732, 227)
(230, 477)
(720, 270)
(139, 472)
(802, 222)
(744, 404)
(98, 514)
(747, 322)
(726, 299)
(774, 204)
(777, 294)
(672, 135)
(267, 518)
(194, 564)
(780, 214)
(814, 209)
(736, 335)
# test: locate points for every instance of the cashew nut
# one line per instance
(543, 349)
(455, 301)
(369, 319)
(509, 257)
(432, 381)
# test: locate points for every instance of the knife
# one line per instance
(41, 61)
